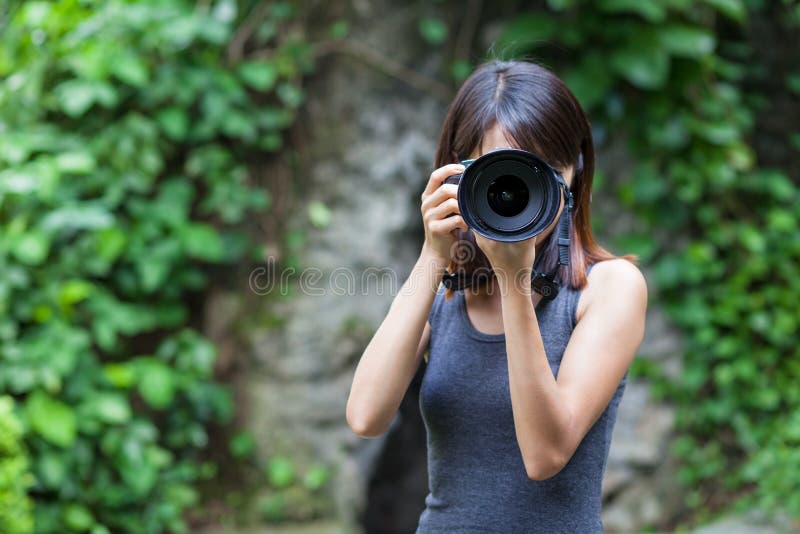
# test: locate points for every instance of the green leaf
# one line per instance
(642, 63)
(273, 507)
(51, 419)
(560, 5)
(291, 95)
(75, 162)
(239, 125)
(529, 31)
(86, 217)
(319, 214)
(77, 517)
(121, 375)
(156, 383)
(34, 14)
(52, 469)
(339, 29)
(316, 477)
(131, 69)
(242, 444)
(733, 9)
(75, 97)
(175, 122)
(73, 291)
(202, 241)
(110, 243)
(590, 80)
(717, 132)
(111, 408)
(260, 75)
(433, 30)
(752, 239)
(280, 472)
(32, 248)
(686, 41)
(793, 83)
(460, 70)
(649, 10)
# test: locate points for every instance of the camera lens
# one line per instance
(507, 195)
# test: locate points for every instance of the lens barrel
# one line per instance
(508, 194)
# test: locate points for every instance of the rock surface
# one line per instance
(368, 142)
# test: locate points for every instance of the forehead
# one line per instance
(494, 137)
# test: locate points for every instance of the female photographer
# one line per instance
(520, 393)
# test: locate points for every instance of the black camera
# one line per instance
(509, 194)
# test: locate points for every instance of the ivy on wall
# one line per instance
(662, 75)
(16, 510)
(125, 130)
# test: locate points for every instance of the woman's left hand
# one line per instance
(509, 258)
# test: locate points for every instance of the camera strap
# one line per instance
(564, 224)
(545, 283)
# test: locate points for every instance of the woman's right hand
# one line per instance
(438, 201)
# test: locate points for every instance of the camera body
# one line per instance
(509, 194)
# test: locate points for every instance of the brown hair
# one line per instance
(538, 112)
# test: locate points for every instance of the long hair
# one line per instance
(537, 112)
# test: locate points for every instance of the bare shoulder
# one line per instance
(616, 283)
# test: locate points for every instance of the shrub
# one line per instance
(125, 129)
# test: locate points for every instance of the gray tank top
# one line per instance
(476, 478)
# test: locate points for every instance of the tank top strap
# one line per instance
(573, 298)
(436, 307)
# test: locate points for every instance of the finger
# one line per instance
(442, 210)
(440, 175)
(447, 225)
(444, 192)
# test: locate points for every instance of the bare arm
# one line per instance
(393, 355)
(552, 416)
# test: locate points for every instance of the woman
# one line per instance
(519, 395)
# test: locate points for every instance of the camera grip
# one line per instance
(455, 179)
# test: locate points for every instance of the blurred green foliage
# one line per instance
(125, 130)
(291, 497)
(662, 76)
(16, 510)
(284, 488)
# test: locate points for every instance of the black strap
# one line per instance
(564, 223)
(458, 281)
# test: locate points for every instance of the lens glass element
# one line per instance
(507, 195)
